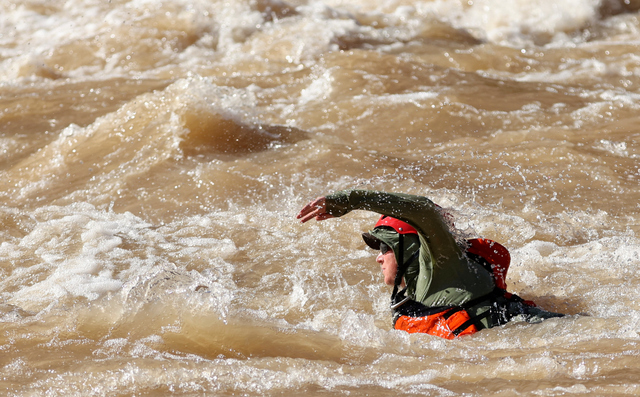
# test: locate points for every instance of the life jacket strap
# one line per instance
(405, 306)
(402, 269)
(495, 299)
(477, 321)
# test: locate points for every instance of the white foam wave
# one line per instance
(155, 38)
(81, 251)
(518, 23)
(594, 273)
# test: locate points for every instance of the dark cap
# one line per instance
(371, 241)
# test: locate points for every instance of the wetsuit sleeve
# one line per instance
(418, 211)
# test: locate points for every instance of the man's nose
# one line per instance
(380, 258)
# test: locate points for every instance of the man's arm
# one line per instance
(418, 211)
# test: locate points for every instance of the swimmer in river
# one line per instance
(441, 287)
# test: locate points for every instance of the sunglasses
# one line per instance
(384, 248)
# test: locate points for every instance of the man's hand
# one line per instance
(316, 209)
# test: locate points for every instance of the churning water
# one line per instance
(154, 155)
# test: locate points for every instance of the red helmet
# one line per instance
(396, 224)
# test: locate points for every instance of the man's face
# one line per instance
(388, 264)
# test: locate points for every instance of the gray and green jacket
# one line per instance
(442, 275)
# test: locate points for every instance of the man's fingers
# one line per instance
(307, 209)
(307, 217)
(314, 209)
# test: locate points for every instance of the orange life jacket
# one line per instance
(439, 324)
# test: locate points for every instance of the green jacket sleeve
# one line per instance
(419, 212)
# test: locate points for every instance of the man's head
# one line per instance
(397, 242)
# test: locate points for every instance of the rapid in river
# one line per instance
(154, 155)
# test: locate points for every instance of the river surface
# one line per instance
(154, 154)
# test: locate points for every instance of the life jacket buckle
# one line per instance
(396, 305)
